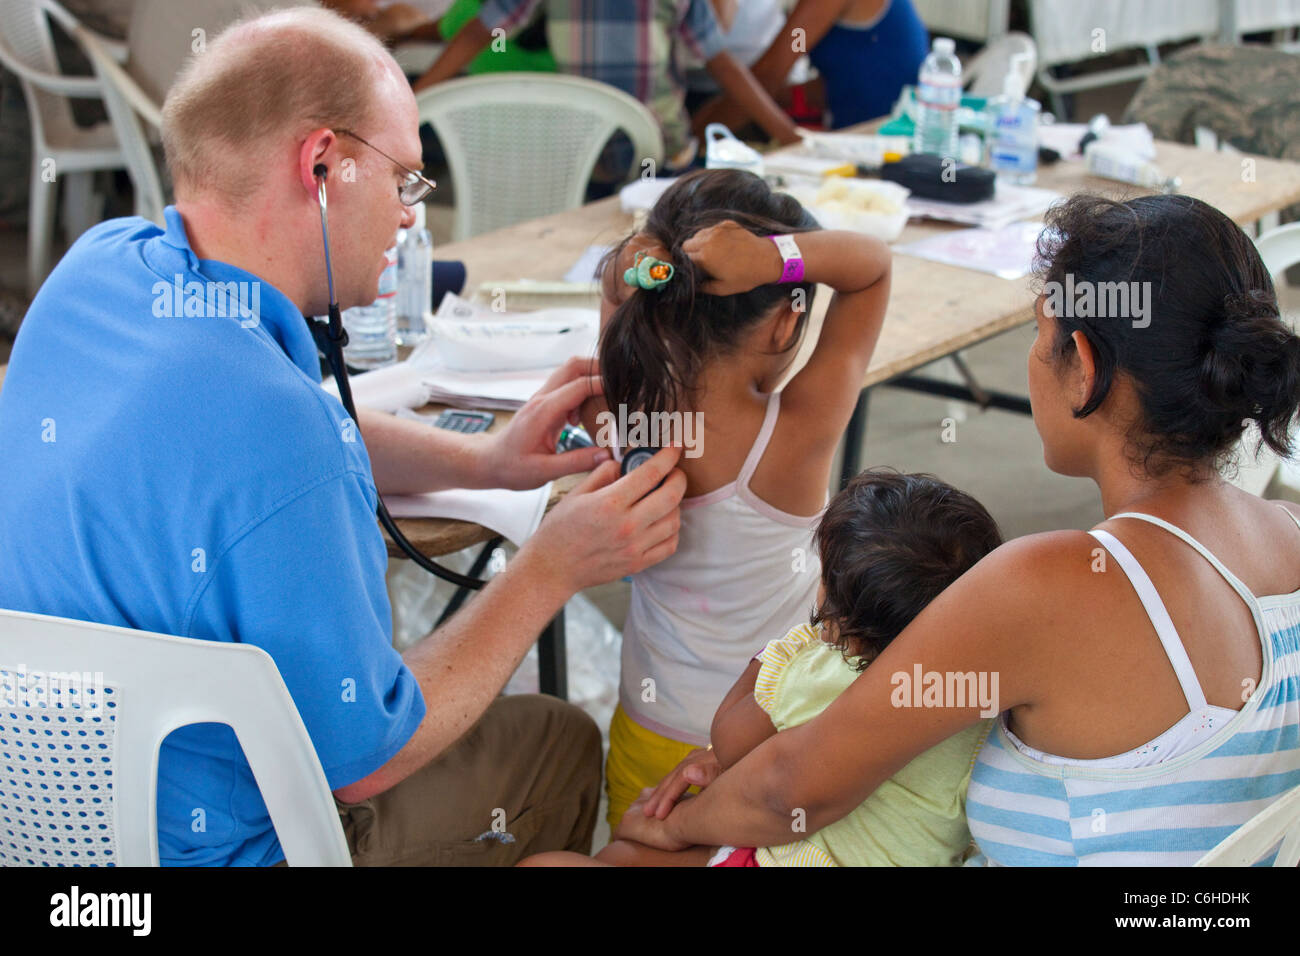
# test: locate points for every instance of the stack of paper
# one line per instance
(477, 358)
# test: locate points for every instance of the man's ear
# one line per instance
(318, 149)
(1087, 374)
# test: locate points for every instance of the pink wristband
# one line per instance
(792, 270)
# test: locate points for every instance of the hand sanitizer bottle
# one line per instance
(1014, 156)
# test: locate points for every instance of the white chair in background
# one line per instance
(1280, 249)
(84, 709)
(1250, 841)
(523, 145)
(60, 148)
(127, 105)
(1071, 31)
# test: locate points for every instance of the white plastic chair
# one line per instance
(27, 50)
(84, 709)
(127, 104)
(1249, 842)
(523, 145)
(1280, 250)
(1071, 31)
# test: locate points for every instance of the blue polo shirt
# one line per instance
(169, 462)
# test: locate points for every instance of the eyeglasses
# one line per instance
(414, 189)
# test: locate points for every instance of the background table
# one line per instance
(935, 310)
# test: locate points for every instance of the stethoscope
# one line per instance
(331, 338)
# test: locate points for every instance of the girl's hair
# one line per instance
(1210, 353)
(658, 340)
(890, 543)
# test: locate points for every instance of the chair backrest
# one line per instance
(1280, 249)
(1257, 16)
(1070, 30)
(523, 145)
(84, 709)
(126, 104)
(27, 45)
(1245, 846)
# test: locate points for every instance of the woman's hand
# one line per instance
(734, 258)
(699, 768)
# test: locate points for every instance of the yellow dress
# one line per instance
(915, 818)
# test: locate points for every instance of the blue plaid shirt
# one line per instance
(629, 44)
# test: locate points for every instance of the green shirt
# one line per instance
(511, 59)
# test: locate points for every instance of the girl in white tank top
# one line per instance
(675, 341)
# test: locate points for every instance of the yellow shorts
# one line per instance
(638, 758)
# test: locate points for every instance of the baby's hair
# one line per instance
(890, 543)
(658, 340)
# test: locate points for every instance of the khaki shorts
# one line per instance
(523, 780)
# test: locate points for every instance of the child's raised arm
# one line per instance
(856, 266)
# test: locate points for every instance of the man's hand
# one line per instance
(639, 826)
(522, 455)
(609, 527)
(699, 768)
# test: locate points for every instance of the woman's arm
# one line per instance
(740, 724)
(807, 777)
(814, 18)
(739, 84)
(466, 45)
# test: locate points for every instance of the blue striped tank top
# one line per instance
(1170, 801)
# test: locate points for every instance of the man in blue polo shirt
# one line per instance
(172, 464)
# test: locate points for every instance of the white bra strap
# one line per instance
(1291, 514)
(1160, 620)
(760, 443)
(1241, 589)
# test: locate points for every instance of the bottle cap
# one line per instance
(944, 45)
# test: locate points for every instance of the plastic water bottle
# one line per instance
(414, 280)
(938, 94)
(372, 329)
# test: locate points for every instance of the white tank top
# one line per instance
(743, 574)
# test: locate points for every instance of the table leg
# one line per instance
(457, 599)
(854, 437)
(552, 664)
(986, 398)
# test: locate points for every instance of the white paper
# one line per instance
(584, 270)
(1006, 252)
(514, 515)
(1064, 138)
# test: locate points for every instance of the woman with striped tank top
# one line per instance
(1148, 671)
